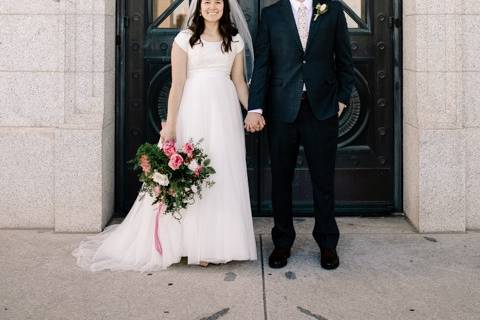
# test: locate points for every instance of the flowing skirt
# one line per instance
(218, 227)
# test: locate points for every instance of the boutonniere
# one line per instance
(319, 10)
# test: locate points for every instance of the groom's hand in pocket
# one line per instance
(254, 122)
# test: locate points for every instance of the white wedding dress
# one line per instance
(217, 228)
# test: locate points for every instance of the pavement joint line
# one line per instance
(263, 280)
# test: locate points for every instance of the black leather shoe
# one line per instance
(329, 259)
(279, 258)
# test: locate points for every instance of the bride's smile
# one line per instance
(212, 10)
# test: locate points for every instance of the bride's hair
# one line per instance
(226, 28)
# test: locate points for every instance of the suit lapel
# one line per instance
(313, 24)
(290, 19)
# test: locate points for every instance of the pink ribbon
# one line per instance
(161, 208)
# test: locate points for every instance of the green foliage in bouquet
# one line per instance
(173, 177)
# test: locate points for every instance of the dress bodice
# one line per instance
(208, 56)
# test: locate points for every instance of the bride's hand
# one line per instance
(167, 134)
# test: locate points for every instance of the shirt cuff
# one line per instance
(256, 111)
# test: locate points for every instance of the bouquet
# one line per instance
(174, 178)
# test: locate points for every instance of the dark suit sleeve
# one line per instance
(261, 70)
(343, 59)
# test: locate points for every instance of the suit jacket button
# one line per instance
(304, 61)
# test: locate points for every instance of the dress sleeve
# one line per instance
(239, 44)
(182, 39)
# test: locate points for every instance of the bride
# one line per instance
(208, 84)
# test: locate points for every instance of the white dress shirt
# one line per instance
(295, 5)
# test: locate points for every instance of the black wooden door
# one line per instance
(365, 176)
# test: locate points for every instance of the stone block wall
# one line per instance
(57, 94)
(441, 111)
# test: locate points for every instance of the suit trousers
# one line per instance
(319, 140)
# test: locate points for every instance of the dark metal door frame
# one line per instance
(397, 40)
(130, 93)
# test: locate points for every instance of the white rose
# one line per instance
(193, 165)
(194, 189)
(161, 179)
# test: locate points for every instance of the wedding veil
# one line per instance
(238, 18)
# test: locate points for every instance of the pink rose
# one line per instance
(176, 161)
(156, 190)
(198, 170)
(145, 164)
(169, 149)
(188, 149)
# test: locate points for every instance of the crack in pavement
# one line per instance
(309, 313)
(217, 315)
(430, 239)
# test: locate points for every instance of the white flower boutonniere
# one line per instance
(319, 10)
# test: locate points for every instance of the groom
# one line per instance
(301, 82)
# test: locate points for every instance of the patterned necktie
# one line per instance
(302, 25)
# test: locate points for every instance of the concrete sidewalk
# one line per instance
(387, 271)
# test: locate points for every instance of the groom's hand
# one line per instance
(254, 122)
(341, 107)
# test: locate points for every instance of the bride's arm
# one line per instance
(179, 75)
(238, 79)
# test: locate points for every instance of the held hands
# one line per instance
(254, 122)
(341, 108)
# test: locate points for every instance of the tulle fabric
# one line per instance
(217, 228)
(130, 245)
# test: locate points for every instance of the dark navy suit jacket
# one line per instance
(282, 66)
